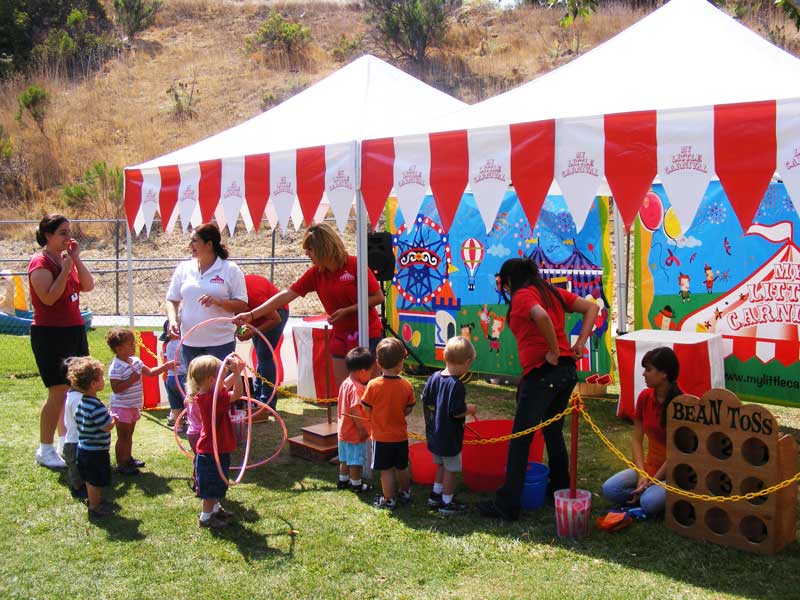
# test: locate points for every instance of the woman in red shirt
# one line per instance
(333, 276)
(56, 277)
(536, 317)
(661, 369)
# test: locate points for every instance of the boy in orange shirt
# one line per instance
(387, 400)
(352, 424)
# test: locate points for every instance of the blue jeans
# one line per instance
(618, 490)
(266, 362)
(189, 353)
(541, 394)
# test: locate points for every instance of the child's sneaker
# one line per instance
(361, 487)
(435, 500)
(128, 469)
(137, 463)
(383, 503)
(101, 510)
(212, 523)
(79, 493)
(452, 508)
(343, 485)
(223, 515)
(404, 497)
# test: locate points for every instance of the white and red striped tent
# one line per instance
(288, 160)
(687, 94)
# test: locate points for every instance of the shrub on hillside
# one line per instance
(24, 22)
(184, 99)
(280, 38)
(134, 16)
(346, 47)
(34, 102)
(98, 193)
(75, 50)
(14, 188)
(407, 28)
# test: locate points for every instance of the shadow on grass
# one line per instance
(119, 528)
(253, 545)
(149, 483)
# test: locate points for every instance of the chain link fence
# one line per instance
(105, 251)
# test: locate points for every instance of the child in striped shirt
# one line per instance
(94, 424)
(125, 373)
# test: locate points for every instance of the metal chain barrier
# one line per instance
(676, 490)
(576, 404)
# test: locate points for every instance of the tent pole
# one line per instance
(621, 268)
(129, 249)
(362, 222)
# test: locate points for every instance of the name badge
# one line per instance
(73, 298)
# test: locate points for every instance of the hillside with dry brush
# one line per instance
(124, 114)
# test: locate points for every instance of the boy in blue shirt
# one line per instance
(94, 425)
(445, 409)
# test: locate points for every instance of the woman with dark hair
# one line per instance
(206, 286)
(333, 275)
(661, 369)
(536, 317)
(56, 277)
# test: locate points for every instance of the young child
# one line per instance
(94, 424)
(388, 399)
(77, 487)
(200, 383)
(125, 373)
(168, 348)
(445, 409)
(352, 423)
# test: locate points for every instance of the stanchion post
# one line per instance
(573, 456)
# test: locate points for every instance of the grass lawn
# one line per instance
(342, 547)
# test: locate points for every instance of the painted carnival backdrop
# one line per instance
(444, 283)
(716, 277)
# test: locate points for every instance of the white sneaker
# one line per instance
(47, 457)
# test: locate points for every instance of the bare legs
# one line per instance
(52, 414)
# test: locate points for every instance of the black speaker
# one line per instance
(380, 256)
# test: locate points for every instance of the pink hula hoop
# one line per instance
(250, 415)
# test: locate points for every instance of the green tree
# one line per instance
(34, 101)
(408, 28)
(134, 16)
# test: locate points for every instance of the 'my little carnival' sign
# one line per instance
(743, 284)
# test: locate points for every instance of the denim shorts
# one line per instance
(173, 393)
(209, 483)
(353, 455)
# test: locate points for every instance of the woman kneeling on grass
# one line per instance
(627, 487)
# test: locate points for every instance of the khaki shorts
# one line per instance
(450, 463)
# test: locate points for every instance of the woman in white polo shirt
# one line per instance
(206, 286)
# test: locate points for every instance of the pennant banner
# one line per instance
(489, 169)
(579, 160)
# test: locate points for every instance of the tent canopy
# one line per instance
(685, 54)
(299, 149)
(686, 94)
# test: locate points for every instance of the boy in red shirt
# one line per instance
(352, 423)
(388, 399)
(200, 383)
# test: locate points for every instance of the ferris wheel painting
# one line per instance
(423, 262)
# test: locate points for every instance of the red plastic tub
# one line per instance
(484, 465)
(423, 471)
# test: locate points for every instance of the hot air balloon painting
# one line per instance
(472, 254)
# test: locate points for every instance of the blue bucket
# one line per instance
(535, 486)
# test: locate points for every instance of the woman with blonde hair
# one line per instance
(333, 275)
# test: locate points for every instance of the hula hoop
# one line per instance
(214, 320)
(250, 415)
